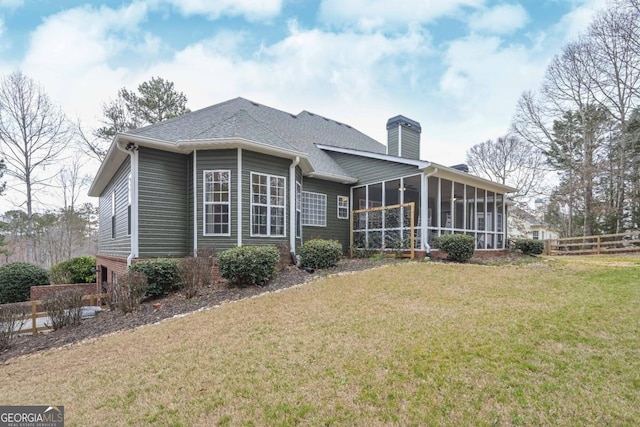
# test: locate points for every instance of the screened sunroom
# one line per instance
(437, 201)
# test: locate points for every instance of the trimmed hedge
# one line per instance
(81, 269)
(458, 247)
(249, 265)
(17, 278)
(319, 253)
(162, 275)
(530, 246)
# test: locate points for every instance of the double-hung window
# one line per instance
(217, 202)
(268, 205)
(314, 209)
(113, 214)
(343, 207)
(298, 210)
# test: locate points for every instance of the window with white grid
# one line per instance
(314, 209)
(217, 202)
(343, 207)
(268, 198)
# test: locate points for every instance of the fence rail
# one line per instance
(35, 314)
(594, 245)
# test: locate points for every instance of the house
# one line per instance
(526, 225)
(241, 173)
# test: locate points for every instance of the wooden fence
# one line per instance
(93, 300)
(594, 245)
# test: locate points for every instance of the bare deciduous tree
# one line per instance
(33, 132)
(511, 161)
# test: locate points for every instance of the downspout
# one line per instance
(195, 203)
(424, 214)
(132, 150)
(239, 197)
(292, 204)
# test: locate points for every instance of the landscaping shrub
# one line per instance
(530, 246)
(249, 265)
(81, 269)
(195, 273)
(129, 292)
(12, 318)
(458, 247)
(319, 253)
(64, 308)
(162, 275)
(16, 279)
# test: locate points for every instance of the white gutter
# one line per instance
(132, 151)
(195, 203)
(292, 204)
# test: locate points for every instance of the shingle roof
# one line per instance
(241, 118)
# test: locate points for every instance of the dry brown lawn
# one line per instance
(552, 343)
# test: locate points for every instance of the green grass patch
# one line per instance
(549, 343)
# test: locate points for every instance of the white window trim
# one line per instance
(324, 217)
(345, 207)
(298, 209)
(205, 203)
(268, 205)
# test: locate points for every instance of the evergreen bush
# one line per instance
(530, 246)
(162, 275)
(458, 247)
(249, 265)
(319, 253)
(17, 278)
(81, 269)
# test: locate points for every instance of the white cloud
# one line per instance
(575, 23)
(250, 9)
(348, 77)
(478, 93)
(501, 19)
(73, 54)
(11, 4)
(377, 14)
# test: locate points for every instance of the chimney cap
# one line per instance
(404, 121)
(461, 167)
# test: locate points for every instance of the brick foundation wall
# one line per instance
(119, 266)
(38, 292)
(112, 264)
(479, 253)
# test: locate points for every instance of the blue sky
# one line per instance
(456, 66)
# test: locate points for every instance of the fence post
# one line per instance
(598, 245)
(34, 311)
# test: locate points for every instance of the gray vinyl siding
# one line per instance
(410, 144)
(392, 141)
(265, 164)
(336, 229)
(163, 204)
(121, 245)
(372, 170)
(216, 160)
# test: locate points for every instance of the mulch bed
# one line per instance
(108, 322)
